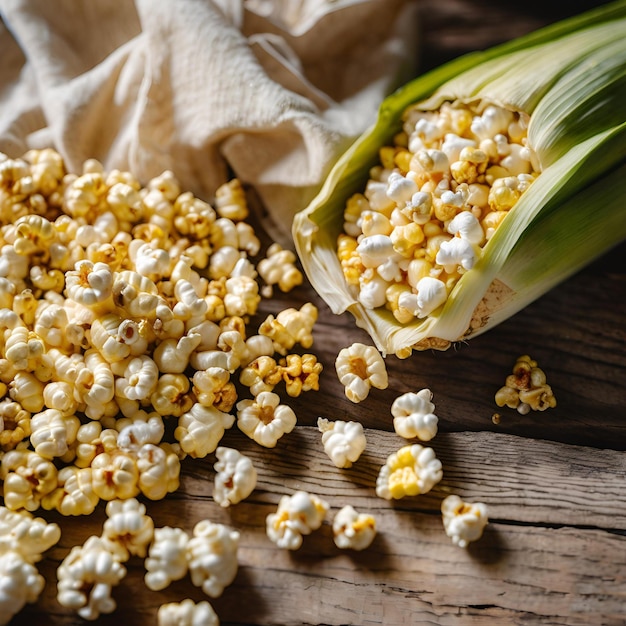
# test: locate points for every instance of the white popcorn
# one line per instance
(20, 583)
(463, 522)
(86, 577)
(264, 419)
(201, 428)
(343, 442)
(187, 613)
(128, 529)
(235, 478)
(29, 536)
(212, 557)
(360, 367)
(296, 515)
(410, 471)
(413, 415)
(353, 530)
(167, 557)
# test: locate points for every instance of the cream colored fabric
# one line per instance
(268, 90)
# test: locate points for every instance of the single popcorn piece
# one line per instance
(27, 535)
(291, 326)
(212, 557)
(264, 419)
(353, 530)
(410, 471)
(296, 515)
(464, 522)
(359, 368)
(200, 429)
(187, 613)
(413, 415)
(128, 528)
(167, 557)
(86, 577)
(343, 442)
(20, 584)
(300, 373)
(235, 479)
(526, 388)
(278, 268)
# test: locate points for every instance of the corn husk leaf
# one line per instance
(571, 79)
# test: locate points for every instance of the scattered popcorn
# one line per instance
(464, 522)
(264, 419)
(187, 613)
(410, 471)
(526, 388)
(296, 515)
(167, 557)
(343, 441)
(235, 477)
(360, 367)
(353, 530)
(212, 557)
(413, 415)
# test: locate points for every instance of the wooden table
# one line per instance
(554, 551)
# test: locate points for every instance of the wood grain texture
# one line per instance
(554, 552)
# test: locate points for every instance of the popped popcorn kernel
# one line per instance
(235, 477)
(86, 577)
(412, 470)
(526, 389)
(413, 415)
(212, 557)
(128, 528)
(353, 530)
(463, 522)
(296, 515)
(300, 373)
(265, 419)
(360, 367)
(187, 613)
(343, 442)
(167, 558)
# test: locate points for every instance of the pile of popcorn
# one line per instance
(125, 343)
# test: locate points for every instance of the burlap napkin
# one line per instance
(270, 91)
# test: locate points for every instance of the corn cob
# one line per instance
(527, 190)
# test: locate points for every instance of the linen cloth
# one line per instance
(270, 91)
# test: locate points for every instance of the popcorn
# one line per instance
(167, 557)
(464, 522)
(343, 441)
(128, 528)
(187, 613)
(410, 471)
(359, 368)
(86, 577)
(212, 557)
(235, 478)
(353, 530)
(264, 419)
(297, 515)
(413, 415)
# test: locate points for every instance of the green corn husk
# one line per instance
(571, 79)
